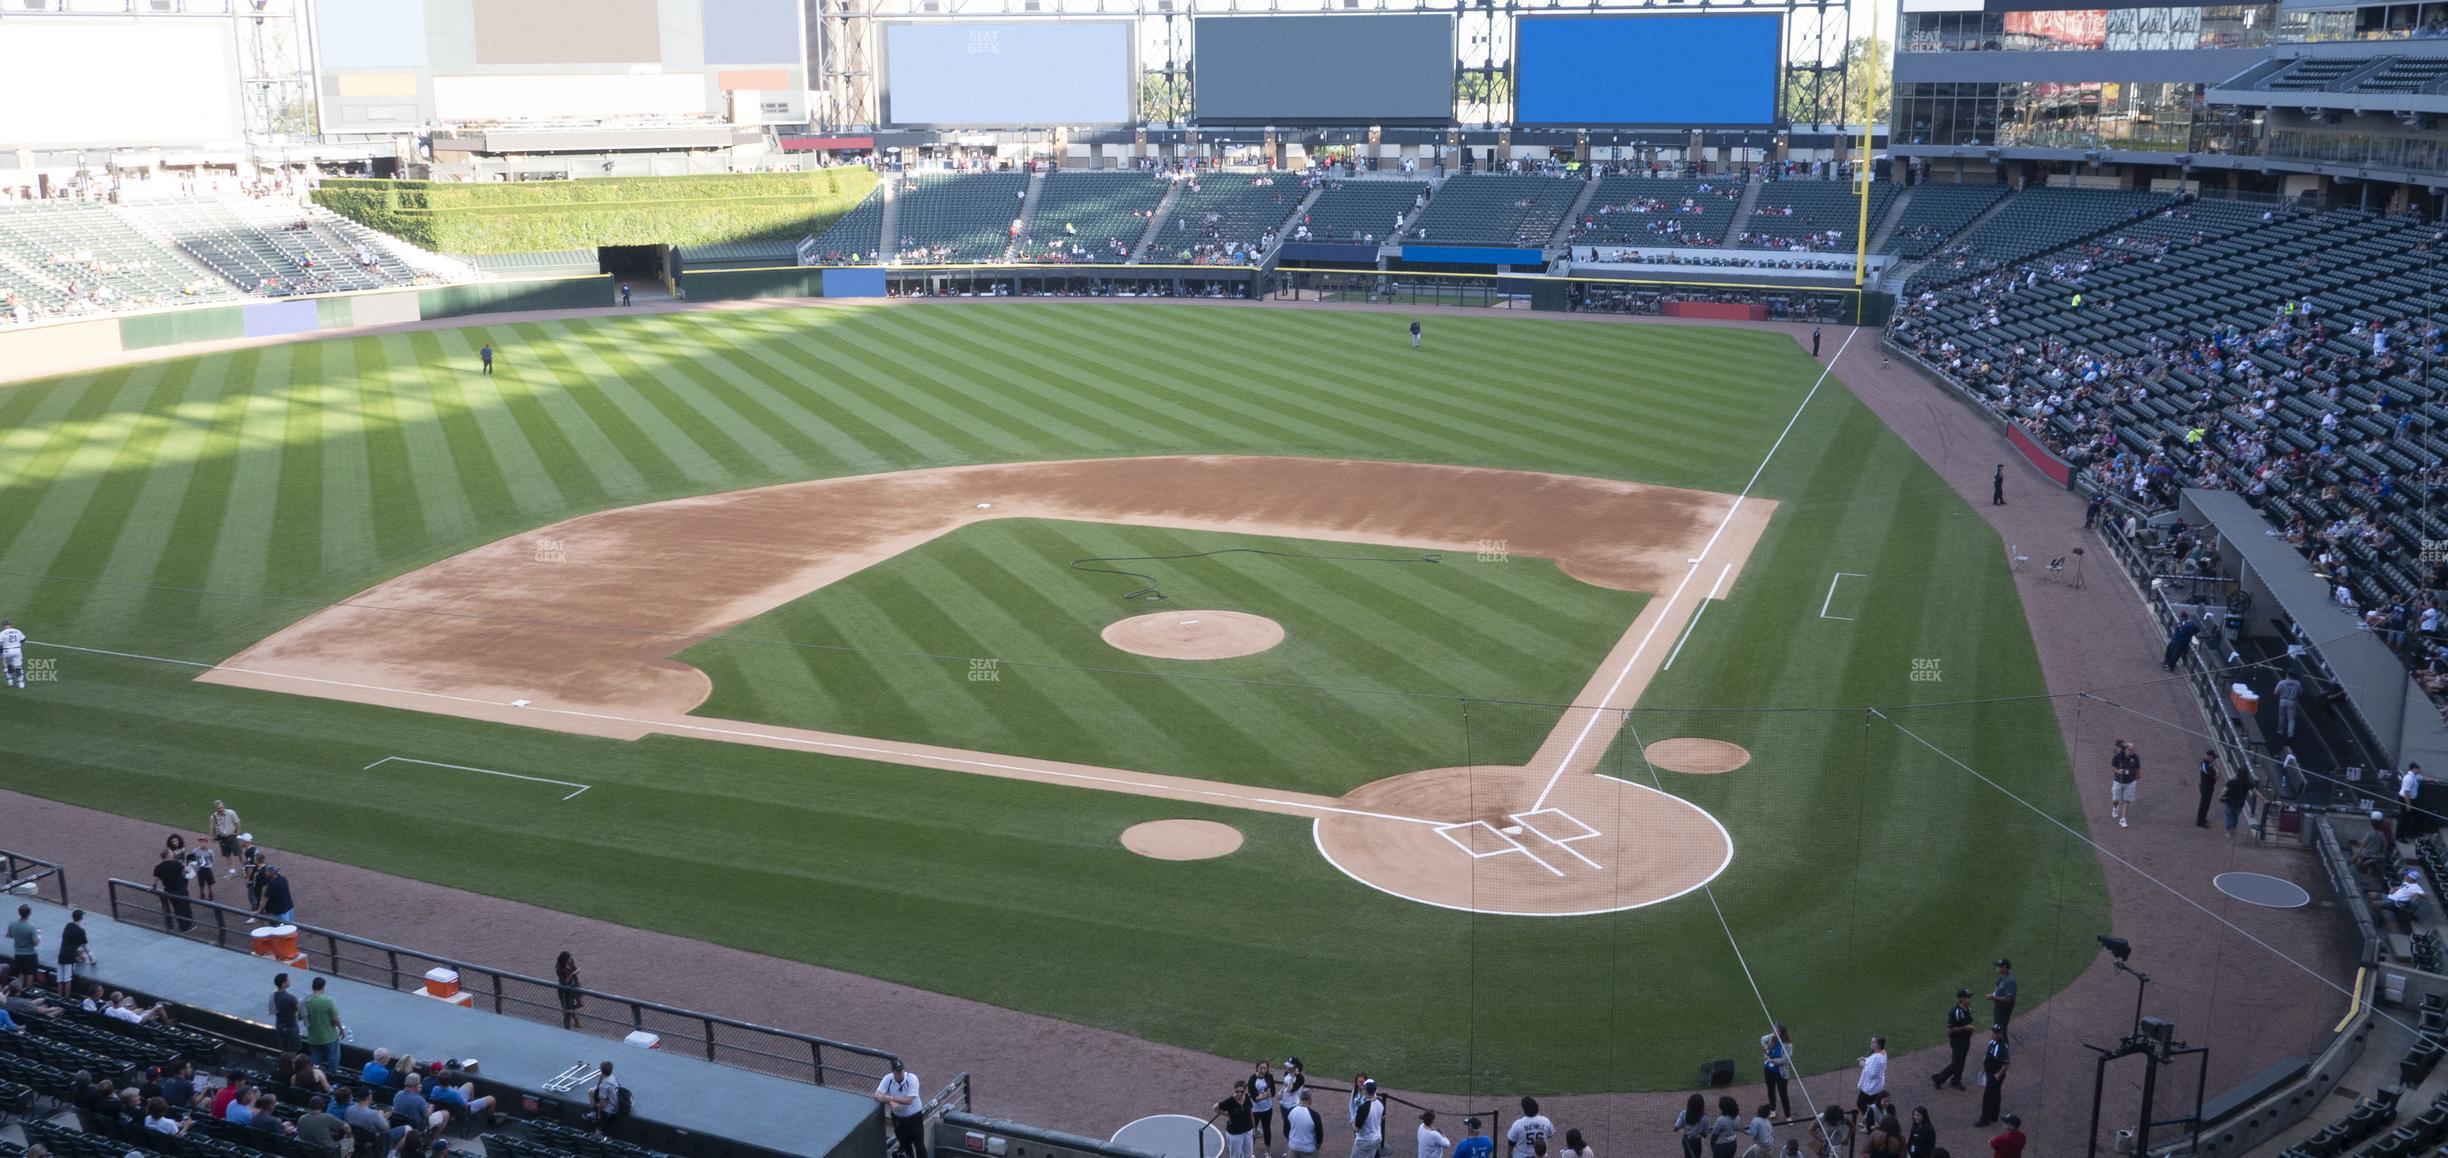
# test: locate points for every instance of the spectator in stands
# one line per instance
(410, 1106)
(2409, 788)
(179, 1088)
(364, 1115)
(276, 905)
(232, 1084)
(267, 1118)
(608, 1103)
(2403, 901)
(565, 971)
(159, 1118)
(123, 1008)
(2371, 852)
(284, 1009)
(25, 943)
(318, 1129)
(305, 1074)
(241, 1110)
(452, 1091)
(377, 1072)
(323, 1028)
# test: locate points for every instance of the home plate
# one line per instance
(1511, 830)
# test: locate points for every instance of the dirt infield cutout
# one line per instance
(1195, 634)
(1696, 756)
(1182, 839)
(571, 627)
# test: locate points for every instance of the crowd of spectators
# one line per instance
(2209, 403)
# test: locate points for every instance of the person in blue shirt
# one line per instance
(1474, 1144)
(377, 1073)
(276, 904)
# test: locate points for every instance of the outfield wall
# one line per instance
(60, 347)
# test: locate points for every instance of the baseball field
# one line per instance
(1523, 682)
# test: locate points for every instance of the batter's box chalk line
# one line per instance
(1528, 820)
(1474, 827)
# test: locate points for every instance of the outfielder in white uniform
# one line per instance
(12, 654)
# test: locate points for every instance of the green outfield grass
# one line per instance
(187, 507)
(1375, 653)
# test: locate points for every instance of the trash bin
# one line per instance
(2125, 1143)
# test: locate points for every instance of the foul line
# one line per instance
(889, 755)
(486, 771)
(1633, 660)
(1694, 625)
(1830, 601)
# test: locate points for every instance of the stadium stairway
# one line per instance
(1895, 216)
(1744, 209)
(1562, 238)
(888, 242)
(1156, 222)
(1028, 216)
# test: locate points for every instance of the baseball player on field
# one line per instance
(12, 654)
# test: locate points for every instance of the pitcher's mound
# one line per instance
(1195, 634)
(1181, 839)
(1696, 756)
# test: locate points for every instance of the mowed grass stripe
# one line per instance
(406, 517)
(887, 386)
(1331, 417)
(30, 417)
(1095, 417)
(153, 520)
(970, 390)
(819, 443)
(881, 436)
(243, 546)
(48, 491)
(720, 445)
(349, 507)
(1431, 383)
(1111, 375)
(665, 451)
(1397, 390)
(484, 484)
(116, 506)
(294, 551)
(586, 435)
(533, 456)
(750, 414)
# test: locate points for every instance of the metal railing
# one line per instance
(26, 876)
(744, 1044)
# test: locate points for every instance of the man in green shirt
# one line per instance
(323, 1029)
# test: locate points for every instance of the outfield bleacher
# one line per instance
(1793, 211)
(66, 258)
(856, 237)
(1936, 213)
(1670, 211)
(1493, 209)
(958, 217)
(272, 249)
(1226, 218)
(1094, 215)
(1362, 211)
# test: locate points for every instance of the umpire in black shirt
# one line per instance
(1959, 1041)
(1993, 1074)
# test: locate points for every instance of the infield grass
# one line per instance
(1379, 646)
(185, 508)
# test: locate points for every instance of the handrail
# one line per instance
(26, 874)
(730, 1041)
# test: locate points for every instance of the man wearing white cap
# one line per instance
(2402, 900)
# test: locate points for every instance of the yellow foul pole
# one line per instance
(1862, 170)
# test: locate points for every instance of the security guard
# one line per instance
(1959, 1041)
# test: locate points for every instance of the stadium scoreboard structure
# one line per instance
(388, 66)
(968, 74)
(1380, 69)
(1695, 70)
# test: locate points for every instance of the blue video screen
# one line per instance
(1648, 70)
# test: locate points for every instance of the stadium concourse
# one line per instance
(2247, 982)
